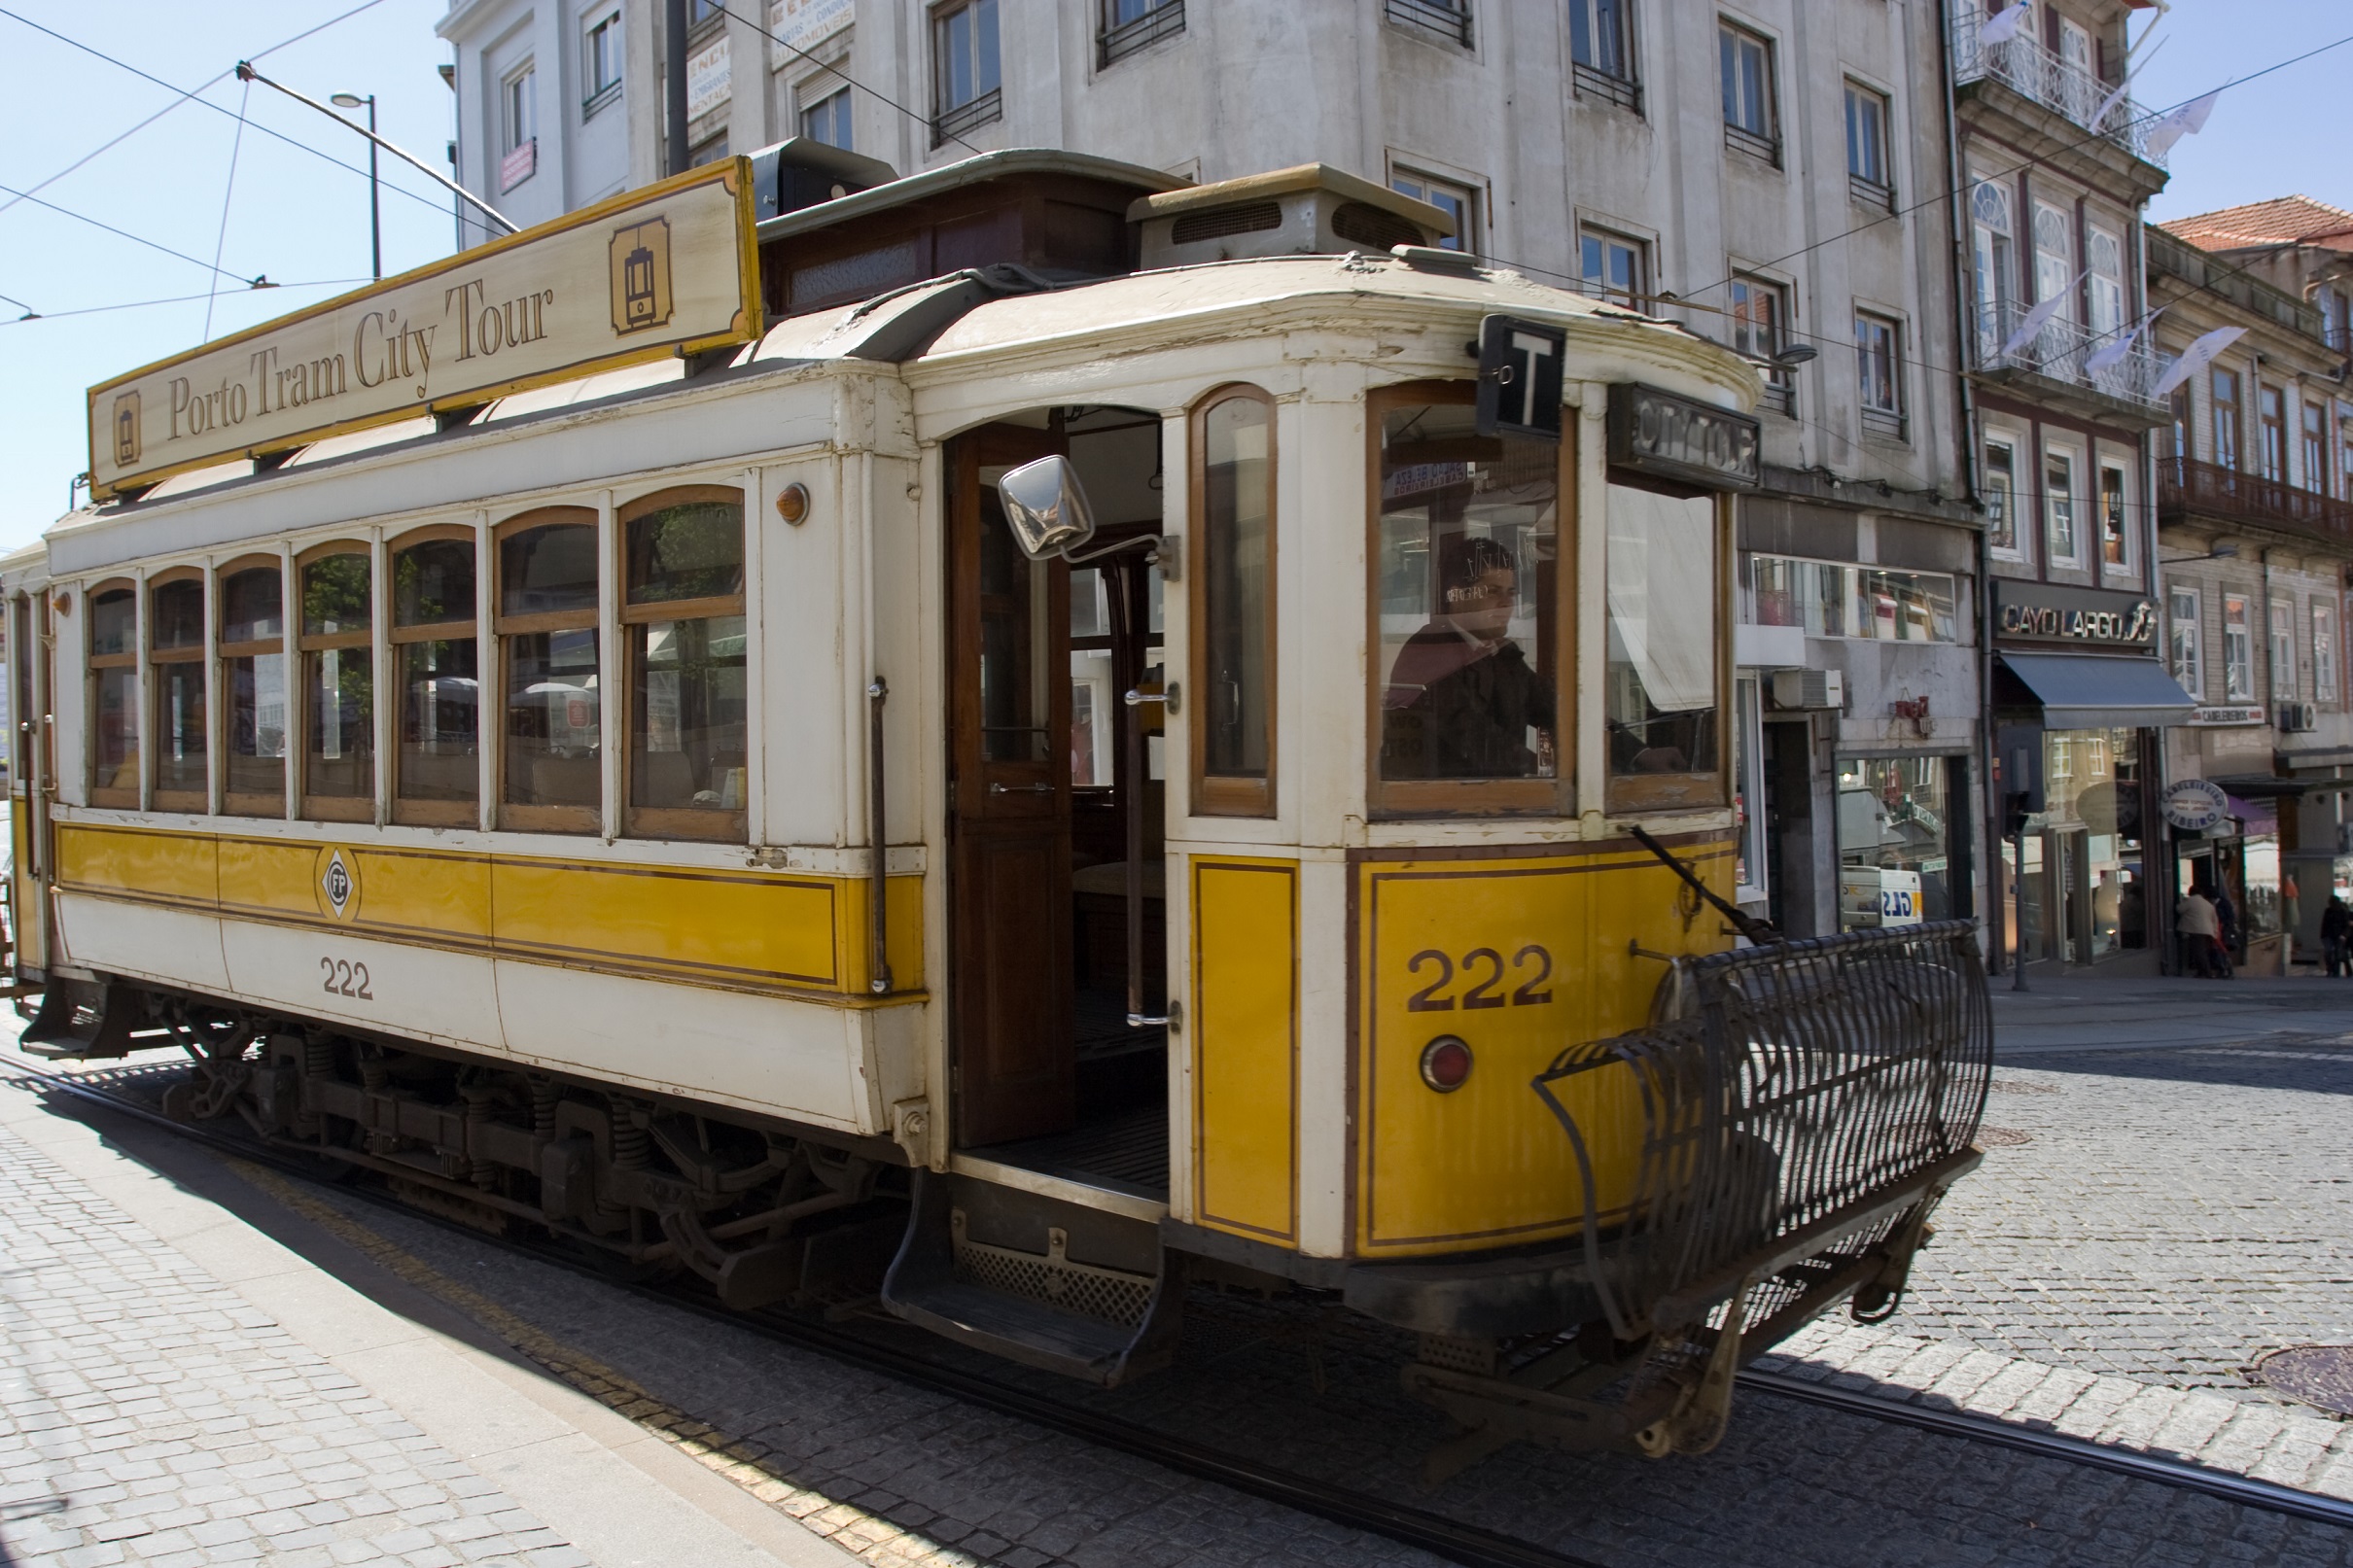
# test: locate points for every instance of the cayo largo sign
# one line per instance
(2086, 618)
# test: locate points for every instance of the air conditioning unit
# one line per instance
(1809, 690)
(2298, 718)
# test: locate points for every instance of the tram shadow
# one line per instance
(2309, 1062)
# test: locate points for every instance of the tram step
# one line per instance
(1040, 1307)
(81, 1021)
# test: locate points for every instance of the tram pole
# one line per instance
(375, 197)
(673, 72)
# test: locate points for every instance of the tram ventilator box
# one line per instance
(1878, 895)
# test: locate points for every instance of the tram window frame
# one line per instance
(127, 659)
(1698, 789)
(157, 655)
(465, 628)
(227, 655)
(309, 645)
(1231, 794)
(507, 629)
(1391, 799)
(711, 824)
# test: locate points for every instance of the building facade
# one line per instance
(2255, 506)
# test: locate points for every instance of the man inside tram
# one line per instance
(1462, 702)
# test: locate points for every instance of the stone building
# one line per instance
(2255, 510)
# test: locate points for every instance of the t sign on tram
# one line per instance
(1520, 378)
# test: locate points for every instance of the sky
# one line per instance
(290, 215)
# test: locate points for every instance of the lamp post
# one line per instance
(375, 210)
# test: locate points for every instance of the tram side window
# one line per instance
(253, 686)
(1468, 610)
(682, 616)
(436, 770)
(552, 751)
(1233, 494)
(175, 610)
(338, 684)
(114, 679)
(1665, 709)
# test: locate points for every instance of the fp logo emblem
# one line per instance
(339, 884)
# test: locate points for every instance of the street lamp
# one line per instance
(375, 212)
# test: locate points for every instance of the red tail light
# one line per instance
(1446, 1063)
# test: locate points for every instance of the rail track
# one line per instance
(1434, 1532)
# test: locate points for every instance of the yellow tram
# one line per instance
(1002, 741)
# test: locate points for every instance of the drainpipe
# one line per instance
(674, 73)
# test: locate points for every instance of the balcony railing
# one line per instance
(1165, 20)
(2025, 65)
(2185, 485)
(954, 122)
(2059, 352)
(1449, 19)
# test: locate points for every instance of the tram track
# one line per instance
(1440, 1534)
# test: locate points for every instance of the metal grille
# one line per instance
(1241, 218)
(1449, 19)
(1163, 21)
(1788, 1084)
(1108, 1295)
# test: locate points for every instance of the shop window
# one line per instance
(179, 725)
(2186, 637)
(683, 620)
(2001, 496)
(1831, 600)
(1233, 439)
(1470, 613)
(2238, 650)
(253, 685)
(1895, 841)
(551, 761)
(114, 686)
(2087, 898)
(2058, 510)
(436, 770)
(2283, 651)
(1663, 680)
(337, 649)
(2115, 534)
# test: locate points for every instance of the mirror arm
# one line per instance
(1165, 554)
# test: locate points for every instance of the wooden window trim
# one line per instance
(175, 655)
(271, 805)
(681, 609)
(340, 546)
(340, 809)
(686, 823)
(1217, 795)
(546, 620)
(1391, 799)
(439, 631)
(114, 661)
(429, 533)
(259, 649)
(678, 495)
(195, 802)
(546, 818)
(255, 562)
(1691, 791)
(436, 813)
(334, 640)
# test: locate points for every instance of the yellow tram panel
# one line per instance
(1515, 957)
(1246, 1046)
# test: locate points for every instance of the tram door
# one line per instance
(32, 670)
(1009, 799)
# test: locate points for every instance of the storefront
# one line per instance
(2079, 701)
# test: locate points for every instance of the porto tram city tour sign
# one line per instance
(671, 268)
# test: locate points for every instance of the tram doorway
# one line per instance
(1048, 1073)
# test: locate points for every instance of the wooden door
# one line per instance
(1009, 799)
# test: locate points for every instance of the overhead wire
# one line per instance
(260, 282)
(173, 300)
(229, 192)
(921, 120)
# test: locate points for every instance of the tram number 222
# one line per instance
(346, 979)
(1531, 966)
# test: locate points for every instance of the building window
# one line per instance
(437, 765)
(179, 724)
(2001, 495)
(2226, 419)
(827, 120)
(2055, 273)
(2187, 637)
(2239, 650)
(2058, 508)
(1867, 169)
(2283, 651)
(1613, 269)
(1600, 47)
(518, 128)
(114, 684)
(253, 685)
(2184, 422)
(1660, 682)
(1996, 267)
(1757, 314)
(1128, 25)
(2316, 450)
(1744, 65)
(1831, 600)
(2324, 653)
(683, 618)
(964, 86)
(1879, 372)
(2271, 406)
(1451, 19)
(337, 683)
(708, 152)
(1456, 199)
(548, 672)
(1233, 441)
(2115, 536)
(1470, 620)
(601, 59)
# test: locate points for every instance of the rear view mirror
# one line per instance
(1047, 508)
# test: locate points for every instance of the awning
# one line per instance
(2091, 691)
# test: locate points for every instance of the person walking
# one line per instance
(2194, 917)
(2335, 934)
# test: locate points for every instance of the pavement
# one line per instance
(2172, 1201)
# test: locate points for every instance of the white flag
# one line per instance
(2108, 354)
(2030, 326)
(2186, 121)
(2003, 25)
(2195, 357)
(2100, 115)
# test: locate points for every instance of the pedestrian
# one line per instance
(2226, 925)
(2195, 919)
(2335, 932)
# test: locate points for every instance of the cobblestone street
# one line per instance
(2178, 1204)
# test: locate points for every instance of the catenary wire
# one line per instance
(229, 192)
(25, 195)
(142, 305)
(924, 121)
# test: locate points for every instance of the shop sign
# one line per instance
(803, 24)
(2083, 618)
(707, 79)
(670, 268)
(2213, 716)
(2195, 805)
(1654, 432)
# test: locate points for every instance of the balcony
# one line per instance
(2208, 492)
(1450, 19)
(1165, 18)
(2051, 366)
(2025, 66)
(2170, 256)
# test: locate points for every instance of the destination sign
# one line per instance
(667, 270)
(1676, 437)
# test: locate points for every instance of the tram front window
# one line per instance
(1663, 703)
(1469, 607)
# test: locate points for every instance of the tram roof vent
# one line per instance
(1314, 209)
